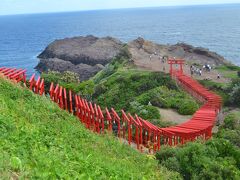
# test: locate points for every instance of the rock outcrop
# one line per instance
(187, 52)
(85, 71)
(83, 55)
(88, 55)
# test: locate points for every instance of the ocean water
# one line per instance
(217, 27)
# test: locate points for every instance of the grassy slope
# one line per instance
(38, 140)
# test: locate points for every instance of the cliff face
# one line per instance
(83, 55)
(88, 55)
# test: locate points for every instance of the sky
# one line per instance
(8, 7)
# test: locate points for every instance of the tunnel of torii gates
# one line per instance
(139, 133)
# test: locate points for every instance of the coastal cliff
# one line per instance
(88, 55)
(83, 55)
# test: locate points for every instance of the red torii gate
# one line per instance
(173, 61)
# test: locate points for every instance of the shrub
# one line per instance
(67, 79)
(217, 158)
(231, 135)
(86, 88)
(235, 95)
(144, 111)
(187, 108)
(230, 129)
(164, 97)
(231, 122)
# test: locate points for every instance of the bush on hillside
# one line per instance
(235, 95)
(231, 121)
(230, 129)
(164, 97)
(70, 81)
(144, 111)
(123, 87)
(187, 108)
(232, 136)
(216, 159)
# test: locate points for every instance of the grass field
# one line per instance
(40, 141)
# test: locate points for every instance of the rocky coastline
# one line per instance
(88, 55)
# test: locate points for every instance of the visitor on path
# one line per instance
(163, 60)
(218, 76)
(150, 57)
(197, 71)
(200, 72)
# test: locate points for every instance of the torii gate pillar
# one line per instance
(179, 62)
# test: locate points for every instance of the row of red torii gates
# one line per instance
(133, 128)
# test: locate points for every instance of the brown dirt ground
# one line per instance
(142, 60)
(173, 116)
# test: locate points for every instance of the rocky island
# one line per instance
(88, 55)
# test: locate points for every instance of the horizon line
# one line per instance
(108, 9)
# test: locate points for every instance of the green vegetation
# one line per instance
(234, 92)
(132, 90)
(40, 141)
(121, 86)
(218, 158)
(230, 130)
(229, 71)
(229, 92)
(215, 159)
(164, 97)
(136, 91)
(219, 88)
(70, 81)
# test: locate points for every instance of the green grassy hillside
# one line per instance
(38, 140)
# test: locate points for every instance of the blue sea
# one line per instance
(217, 27)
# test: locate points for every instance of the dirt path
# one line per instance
(172, 116)
(142, 60)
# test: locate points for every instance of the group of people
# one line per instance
(195, 70)
(207, 67)
(162, 58)
(199, 71)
